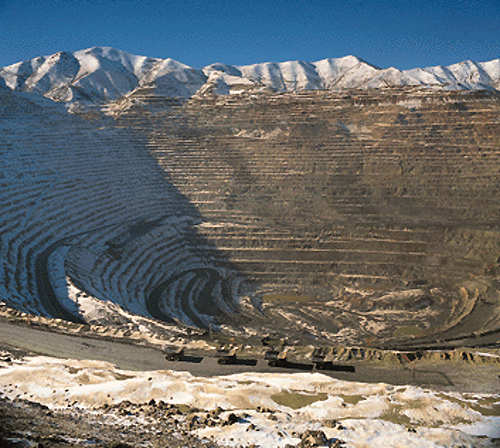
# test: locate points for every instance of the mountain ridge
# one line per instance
(101, 74)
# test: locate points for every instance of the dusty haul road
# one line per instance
(128, 356)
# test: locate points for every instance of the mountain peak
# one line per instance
(102, 73)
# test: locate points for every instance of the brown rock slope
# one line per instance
(367, 216)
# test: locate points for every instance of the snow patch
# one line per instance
(374, 415)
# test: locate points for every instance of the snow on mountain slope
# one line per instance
(173, 78)
(348, 71)
(222, 83)
(493, 69)
(352, 72)
(62, 76)
(283, 76)
(98, 74)
(222, 68)
(18, 105)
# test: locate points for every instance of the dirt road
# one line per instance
(135, 357)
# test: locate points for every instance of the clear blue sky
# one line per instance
(400, 33)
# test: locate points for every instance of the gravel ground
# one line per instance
(28, 424)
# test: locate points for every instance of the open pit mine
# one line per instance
(272, 255)
(326, 204)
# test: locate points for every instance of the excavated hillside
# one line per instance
(356, 217)
(365, 215)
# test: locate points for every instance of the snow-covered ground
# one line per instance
(98, 74)
(272, 409)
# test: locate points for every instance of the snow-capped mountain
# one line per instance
(99, 74)
(103, 73)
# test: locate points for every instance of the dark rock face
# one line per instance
(312, 439)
